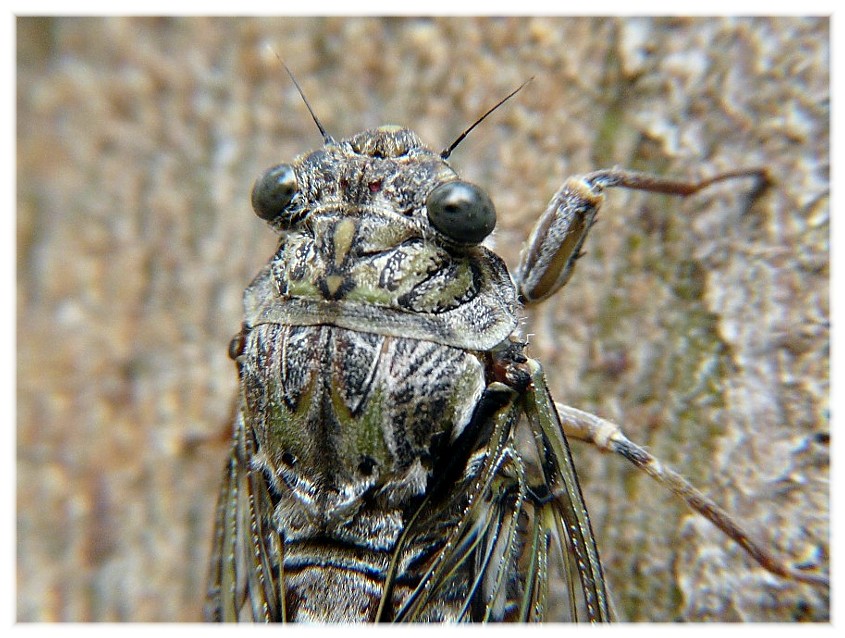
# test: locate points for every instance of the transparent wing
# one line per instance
(563, 507)
(246, 561)
(507, 531)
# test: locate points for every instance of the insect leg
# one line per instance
(560, 477)
(549, 256)
(608, 437)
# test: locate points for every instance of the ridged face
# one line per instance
(379, 235)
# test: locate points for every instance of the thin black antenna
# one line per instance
(445, 153)
(328, 139)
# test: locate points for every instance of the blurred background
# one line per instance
(700, 325)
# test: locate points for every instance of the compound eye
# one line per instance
(273, 192)
(461, 212)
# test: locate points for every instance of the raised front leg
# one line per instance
(549, 256)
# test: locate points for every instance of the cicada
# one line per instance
(397, 456)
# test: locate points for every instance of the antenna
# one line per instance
(327, 139)
(445, 153)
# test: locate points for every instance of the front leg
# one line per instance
(549, 256)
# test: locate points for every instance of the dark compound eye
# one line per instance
(461, 212)
(274, 191)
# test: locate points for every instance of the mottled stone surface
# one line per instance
(700, 325)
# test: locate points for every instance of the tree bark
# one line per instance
(701, 325)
